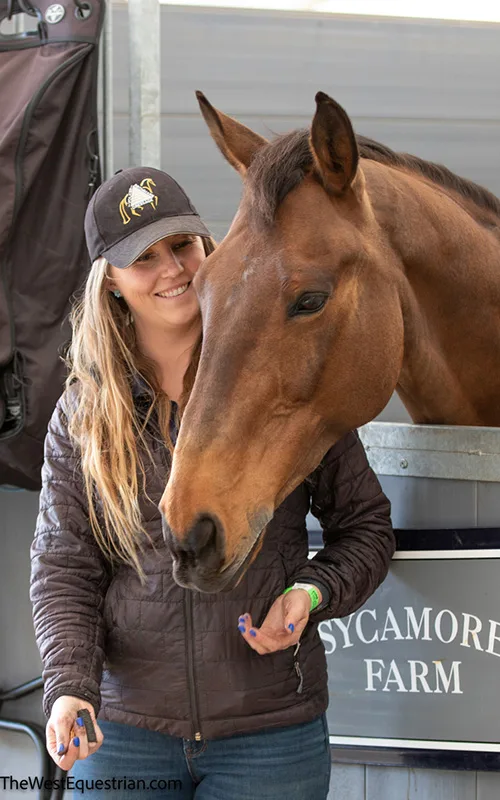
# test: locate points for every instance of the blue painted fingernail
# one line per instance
(60, 749)
(79, 721)
(241, 619)
(291, 627)
(76, 741)
(241, 628)
(252, 632)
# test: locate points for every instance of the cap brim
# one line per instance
(124, 253)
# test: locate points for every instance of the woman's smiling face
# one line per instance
(157, 287)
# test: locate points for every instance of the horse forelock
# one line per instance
(282, 164)
(275, 170)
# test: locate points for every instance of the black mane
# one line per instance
(282, 164)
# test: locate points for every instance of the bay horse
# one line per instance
(349, 271)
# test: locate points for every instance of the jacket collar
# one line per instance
(140, 389)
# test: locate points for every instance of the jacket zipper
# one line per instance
(188, 608)
(188, 619)
(297, 669)
(296, 663)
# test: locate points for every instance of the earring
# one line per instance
(117, 293)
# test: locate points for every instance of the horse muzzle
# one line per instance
(199, 560)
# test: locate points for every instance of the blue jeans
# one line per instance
(291, 763)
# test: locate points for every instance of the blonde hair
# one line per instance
(103, 421)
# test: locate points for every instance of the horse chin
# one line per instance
(225, 580)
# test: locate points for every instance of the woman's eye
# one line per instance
(144, 257)
(184, 243)
(309, 303)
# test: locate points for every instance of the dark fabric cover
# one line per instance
(48, 168)
(173, 660)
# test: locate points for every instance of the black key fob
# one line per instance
(89, 725)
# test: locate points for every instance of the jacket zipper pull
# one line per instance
(296, 666)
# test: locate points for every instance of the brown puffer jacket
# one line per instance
(172, 660)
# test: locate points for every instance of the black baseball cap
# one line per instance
(134, 209)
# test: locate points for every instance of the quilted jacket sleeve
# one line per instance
(347, 499)
(69, 576)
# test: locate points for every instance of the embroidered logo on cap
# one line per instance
(139, 195)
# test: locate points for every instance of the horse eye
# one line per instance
(309, 303)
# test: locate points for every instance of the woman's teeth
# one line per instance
(174, 292)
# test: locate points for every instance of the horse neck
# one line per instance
(449, 254)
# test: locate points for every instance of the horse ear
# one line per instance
(333, 143)
(237, 143)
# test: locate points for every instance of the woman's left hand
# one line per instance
(282, 626)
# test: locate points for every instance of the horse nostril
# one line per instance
(202, 538)
(168, 536)
(203, 542)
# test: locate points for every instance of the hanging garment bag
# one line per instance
(49, 168)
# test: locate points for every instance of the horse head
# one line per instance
(302, 340)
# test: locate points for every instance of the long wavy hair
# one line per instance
(104, 422)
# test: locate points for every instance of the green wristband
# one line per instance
(311, 591)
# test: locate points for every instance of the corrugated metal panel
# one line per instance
(265, 67)
(433, 451)
(418, 784)
(347, 782)
(487, 786)
(431, 504)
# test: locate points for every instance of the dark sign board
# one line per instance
(418, 666)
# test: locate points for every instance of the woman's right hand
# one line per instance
(63, 728)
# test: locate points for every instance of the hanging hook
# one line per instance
(83, 9)
(25, 6)
(34, 11)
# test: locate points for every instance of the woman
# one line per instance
(184, 689)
